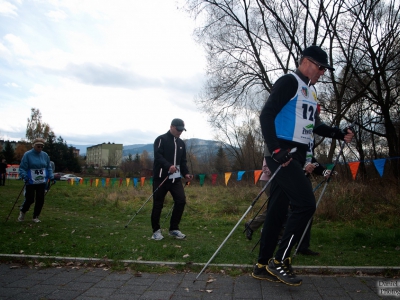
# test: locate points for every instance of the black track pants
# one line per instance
(289, 187)
(178, 194)
(32, 190)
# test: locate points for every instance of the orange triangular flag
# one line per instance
(354, 168)
(227, 176)
(142, 180)
(257, 175)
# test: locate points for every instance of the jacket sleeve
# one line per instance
(159, 153)
(324, 130)
(23, 167)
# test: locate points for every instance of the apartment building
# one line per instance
(105, 154)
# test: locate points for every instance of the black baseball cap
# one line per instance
(318, 55)
(179, 124)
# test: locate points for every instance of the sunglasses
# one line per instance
(321, 68)
(39, 146)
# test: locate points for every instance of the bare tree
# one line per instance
(250, 43)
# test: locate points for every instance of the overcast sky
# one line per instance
(101, 70)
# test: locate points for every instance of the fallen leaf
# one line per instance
(72, 231)
(210, 280)
(14, 267)
(44, 234)
(209, 291)
(21, 251)
(139, 258)
(178, 246)
(88, 237)
(186, 255)
(187, 289)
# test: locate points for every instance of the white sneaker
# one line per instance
(36, 220)
(21, 216)
(177, 234)
(157, 235)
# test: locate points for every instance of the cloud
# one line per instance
(115, 71)
(8, 9)
(57, 15)
(19, 47)
(11, 84)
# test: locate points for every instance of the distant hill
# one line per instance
(197, 146)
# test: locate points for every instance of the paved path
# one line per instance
(96, 283)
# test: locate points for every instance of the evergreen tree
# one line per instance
(8, 153)
(221, 161)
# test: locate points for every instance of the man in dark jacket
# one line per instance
(288, 120)
(169, 166)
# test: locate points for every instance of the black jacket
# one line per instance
(169, 151)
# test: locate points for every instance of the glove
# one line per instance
(327, 172)
(281, 156)
(344, 130)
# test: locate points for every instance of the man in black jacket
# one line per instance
(169, 166)
(288, 120)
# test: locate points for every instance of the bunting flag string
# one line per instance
(257, 175)
(214, 179)
(227, 177)
(354, 168)
(380, 165)
(202, 176)
(240, 175)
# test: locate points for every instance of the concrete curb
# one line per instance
(310, 269)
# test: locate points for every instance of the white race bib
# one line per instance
(177, 173)
(38, 176)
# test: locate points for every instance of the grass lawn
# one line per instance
(84, 221)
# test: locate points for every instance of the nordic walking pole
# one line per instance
(126, 226)
(258, 212)
(170, 211)
(326, 183)
(166, 217)
(244, 215)
(316, 188)
(320, 197)
(240, 220)
(16, 201)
